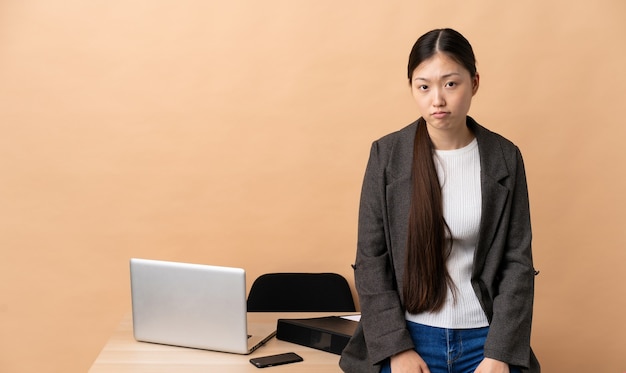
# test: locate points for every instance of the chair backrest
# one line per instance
(300, 292)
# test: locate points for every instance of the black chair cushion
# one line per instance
(300, 292)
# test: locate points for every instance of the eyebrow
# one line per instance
(445, 76)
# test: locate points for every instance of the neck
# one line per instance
(449, 139)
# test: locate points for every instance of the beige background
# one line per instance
(237, 132)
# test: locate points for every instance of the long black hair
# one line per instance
(426, 278)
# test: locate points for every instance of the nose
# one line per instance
(438, 99)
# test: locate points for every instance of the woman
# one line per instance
(444, 266)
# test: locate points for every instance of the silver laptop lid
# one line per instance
(190, 305)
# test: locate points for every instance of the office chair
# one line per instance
(300, 292)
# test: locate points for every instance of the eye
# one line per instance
(451, 84)
(421, 87)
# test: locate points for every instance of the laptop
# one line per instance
(193, 305)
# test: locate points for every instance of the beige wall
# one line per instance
(237, 132)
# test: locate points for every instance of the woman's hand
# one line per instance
(408, 362)
(492, 366)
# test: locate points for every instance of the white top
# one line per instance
(459, 176)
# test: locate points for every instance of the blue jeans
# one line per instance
(448, 350)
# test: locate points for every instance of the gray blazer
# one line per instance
(503, 273)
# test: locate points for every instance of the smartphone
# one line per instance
(272, 360)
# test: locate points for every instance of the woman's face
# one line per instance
(443, 91)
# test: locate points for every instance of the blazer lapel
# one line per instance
(398, 200)
(494, 194)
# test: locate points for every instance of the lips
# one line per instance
(440, 114)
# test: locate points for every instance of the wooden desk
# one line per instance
(123, 354)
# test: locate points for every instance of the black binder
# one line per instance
(330, 334)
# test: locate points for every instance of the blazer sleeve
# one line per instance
(510, 328)
(382, 314)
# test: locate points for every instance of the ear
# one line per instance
(475, 83)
